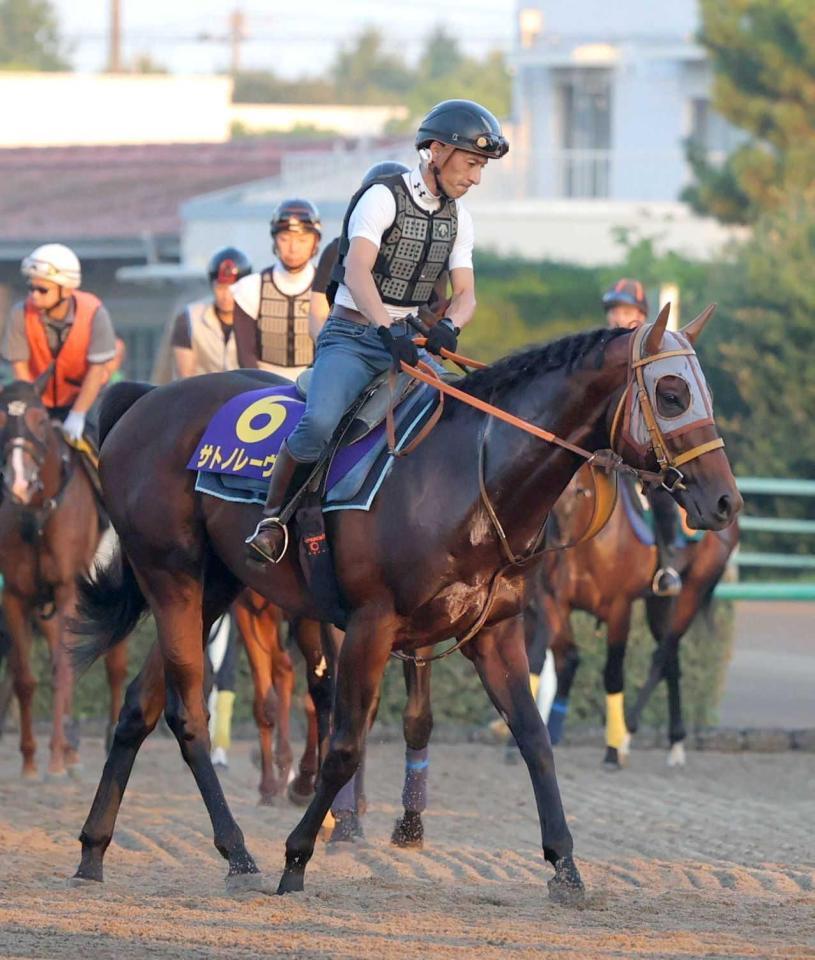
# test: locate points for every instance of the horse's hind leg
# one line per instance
(319, 645)
(142, 707)
(116, 668)
(283, 682)
(500, 658)
(417, 725)
(177, 601)
(19, 663)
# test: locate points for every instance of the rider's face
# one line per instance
(222, 294)
(625, 315)
(45, 294)
(295, 249)
(459, 171)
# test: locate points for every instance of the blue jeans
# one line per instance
(348, 356)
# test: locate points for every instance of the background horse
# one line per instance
(260, 625)
(604, 576)
(49, 532)
(426, 563)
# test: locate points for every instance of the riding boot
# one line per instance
(666, 581)
(271, 537)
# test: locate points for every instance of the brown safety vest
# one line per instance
(282, 324)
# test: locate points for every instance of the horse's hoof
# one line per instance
(301, 791)
(408, 831)
(56, 776)
(512, 756)
(76, 771)
(30, 774)
(241, 883)
(86, 875)
(268, 800)
(347, 829)
(566, 887)
(291, 881)
(676, 755)
(611, 761)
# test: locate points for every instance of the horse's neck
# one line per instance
(525, 475)
(52, 468)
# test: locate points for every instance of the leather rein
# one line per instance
(605, 465)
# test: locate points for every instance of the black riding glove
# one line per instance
(400, 348)
(444, 336)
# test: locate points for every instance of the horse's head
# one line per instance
(26, 438)
(665, 421)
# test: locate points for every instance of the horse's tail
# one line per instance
(109, 605)
(117, 401)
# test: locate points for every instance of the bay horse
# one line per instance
(49, 532)
(424, 564)
(604, 576)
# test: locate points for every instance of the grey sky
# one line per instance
(290, 38)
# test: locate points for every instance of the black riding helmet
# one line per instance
(625, 291)
(464, 125)
(297, 215)
(385, 168)
(228, 265)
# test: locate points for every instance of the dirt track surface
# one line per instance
(714, 861)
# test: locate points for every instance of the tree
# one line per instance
(29, 36)
(763, 58)
(366, 72)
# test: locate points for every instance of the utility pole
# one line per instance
(237, 23)
(115, 40)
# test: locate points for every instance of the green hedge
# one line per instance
(458, 697)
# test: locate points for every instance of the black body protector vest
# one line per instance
(413, 252)
(283, 337)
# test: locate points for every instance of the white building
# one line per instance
(607, 94)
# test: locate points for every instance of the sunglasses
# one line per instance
(34, 288)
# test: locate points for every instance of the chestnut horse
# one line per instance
(49, 532)
(604, 576)
(260, 624)
(426, 563)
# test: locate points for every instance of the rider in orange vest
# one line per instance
(626, 306)
(62, 325)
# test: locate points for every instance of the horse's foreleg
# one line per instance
(265, 706)
(176, 602)
(617, 736)
(116, 669)
(64, 749)
(500, 658)
(19, 661)
(676, 725)
(283, 682)
(362, 659)
(417, 725)
(142, 707)
(319, 646)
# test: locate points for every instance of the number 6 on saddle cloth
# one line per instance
(236, 453)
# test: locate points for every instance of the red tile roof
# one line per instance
(123, 191)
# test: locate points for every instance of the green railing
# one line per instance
(770, 588)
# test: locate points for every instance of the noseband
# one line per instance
(671, 477)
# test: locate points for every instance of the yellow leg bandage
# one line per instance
(223, 719)
(616, 731)
(534, 684)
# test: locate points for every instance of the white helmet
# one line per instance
(54, 262)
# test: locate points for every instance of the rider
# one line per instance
(320, 305)
(62, 325)
(202, 338)
(271, 307)
(397, 237)
(626, 306)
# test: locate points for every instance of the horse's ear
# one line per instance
(696, 326)
(41, 382)
(654, 339)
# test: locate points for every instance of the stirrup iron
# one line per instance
(264, 524)
(671, 573)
